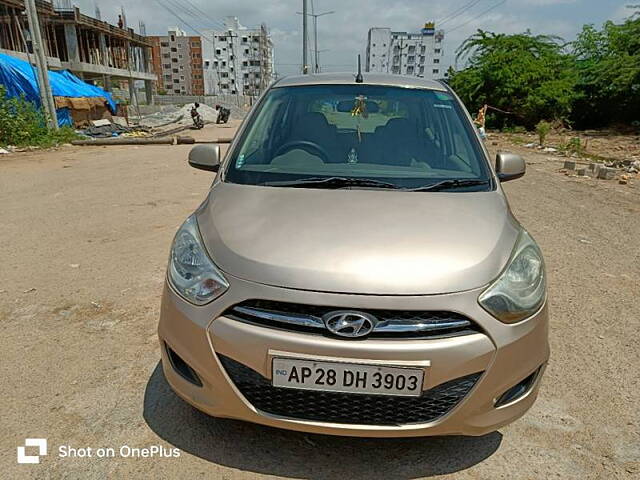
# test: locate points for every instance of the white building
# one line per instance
(237, 59)
(419, 54)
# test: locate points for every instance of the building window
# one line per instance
(436, 71)
(222, 39)
(410, 69)
(166, 55)
(164, 44)
(412, 49)
(411, 59)
(373, 54)
(244, 39)
(176, 81)
(437, 50)
(172, 38)
(374, 44)
(175, 70)
(436, 60)
(174, 49)
(195, 44)
(166, 65)
(422, 70)
(218, 51)
(174, 60)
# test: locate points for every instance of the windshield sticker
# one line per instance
(443, 96)
(352, 157)
(240, 161)
(439, 105)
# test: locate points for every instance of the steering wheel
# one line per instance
(303, 145)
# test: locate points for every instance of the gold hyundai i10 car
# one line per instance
(355, 269)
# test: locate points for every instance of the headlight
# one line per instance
(520, 289)
(191, 272)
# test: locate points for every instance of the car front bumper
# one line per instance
(503, 354)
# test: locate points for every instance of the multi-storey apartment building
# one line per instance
(419, 53)
(237, 59)
(177, 61)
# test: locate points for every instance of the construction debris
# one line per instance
(106, 129)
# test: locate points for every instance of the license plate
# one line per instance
(346, 377)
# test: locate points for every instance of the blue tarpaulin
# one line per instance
(19, 78)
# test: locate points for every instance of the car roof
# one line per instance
(348, 78)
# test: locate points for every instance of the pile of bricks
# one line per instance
(594, 170)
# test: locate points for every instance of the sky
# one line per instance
(343, 34)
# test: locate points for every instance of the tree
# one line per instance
(528, 75)
(608, 65)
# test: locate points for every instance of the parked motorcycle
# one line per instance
(223, 114)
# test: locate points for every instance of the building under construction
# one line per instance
(90, 48)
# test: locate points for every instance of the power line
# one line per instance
(459, 11)
(204, 14)
(477, 16)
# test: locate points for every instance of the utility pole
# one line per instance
(305, 63)
(315, 35)
(401, 49)
(46, 96)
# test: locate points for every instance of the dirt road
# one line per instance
(84, 239)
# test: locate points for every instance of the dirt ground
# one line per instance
(84, 239)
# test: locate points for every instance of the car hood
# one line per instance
(358, 241)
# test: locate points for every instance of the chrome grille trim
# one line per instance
(289, 318)
(427, 323)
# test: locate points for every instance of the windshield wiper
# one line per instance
(333, 182)
(448, 184)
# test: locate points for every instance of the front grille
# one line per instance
(348, 408)
(390, 323)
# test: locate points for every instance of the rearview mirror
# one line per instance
(205, 157)
(509, 166)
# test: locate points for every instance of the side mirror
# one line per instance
(205, 157)
(509, 166)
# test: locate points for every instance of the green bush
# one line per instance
(593, 81)
(574, 145)
(23, 124)
(542, 129)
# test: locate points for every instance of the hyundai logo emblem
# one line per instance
(347, 323)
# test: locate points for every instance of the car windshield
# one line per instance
(334, 136)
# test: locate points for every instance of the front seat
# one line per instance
(313, 127)
(403, 142)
